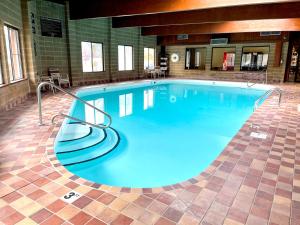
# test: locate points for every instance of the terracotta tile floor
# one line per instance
(252, 182)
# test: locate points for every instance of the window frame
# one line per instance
(132, 58)
(255, 46)
(154, 63)
(201, 49)
(8, 48)
(1, 72)
(212, 55)
(102, 49)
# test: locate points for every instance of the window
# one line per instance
(195, 58)
(149, 58)
(125, 104)
(125, 57)
(255, 58)
(223, 58)
(13, 53)
(92, 57)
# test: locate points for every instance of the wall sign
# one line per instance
(51, 27)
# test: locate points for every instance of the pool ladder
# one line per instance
(267, 94)
(53, 86)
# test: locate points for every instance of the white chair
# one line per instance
(61, 79)
(64, 79)
(41, 78)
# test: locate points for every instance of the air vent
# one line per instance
(182, 36)
(271, 33)
(219, 41)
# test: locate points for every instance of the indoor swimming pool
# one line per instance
(162, 132)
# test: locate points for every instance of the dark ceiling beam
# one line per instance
(248, 12)
(98, 8)
(226, 27)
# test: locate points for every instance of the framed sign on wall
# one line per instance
(51, 27)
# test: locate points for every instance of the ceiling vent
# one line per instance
(182, 37)
(270, 33)
(219, 41)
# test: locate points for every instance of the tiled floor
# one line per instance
(252, 182)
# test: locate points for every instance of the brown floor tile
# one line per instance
(41, 215)
(80, 218)
(143, 201)
(163, 221)
(122, 220)
(11, 197)
(95, 221)
(56, 205)
(13, 218)
(106, 198)
(53, 220)
(173, 214)
(82, 202)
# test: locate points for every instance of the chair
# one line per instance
(42, 77)
(64, 79)
(61, 79)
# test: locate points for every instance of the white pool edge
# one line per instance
(143, 83)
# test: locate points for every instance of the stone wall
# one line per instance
(275, 74)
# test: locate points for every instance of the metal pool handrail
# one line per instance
(39, 95)
(267, 94)
(76, 119)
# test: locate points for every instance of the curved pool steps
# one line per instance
(94, 138)
(109, 143)
(74, 131)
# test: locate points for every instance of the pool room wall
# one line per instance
(275, 74)
(41, 52)
(14, 92)
(275, 70)
(65, 52)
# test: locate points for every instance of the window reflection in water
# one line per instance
(92, 115)
(125, 104)
(148, 99)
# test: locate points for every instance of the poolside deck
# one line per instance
(252, 182)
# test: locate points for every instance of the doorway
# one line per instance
(292, 73)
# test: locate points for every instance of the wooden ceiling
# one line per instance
(171, 17)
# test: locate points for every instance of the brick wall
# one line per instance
(99, 30)
(275, 74)
(65, 53)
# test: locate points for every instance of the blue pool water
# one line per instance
(163, 133)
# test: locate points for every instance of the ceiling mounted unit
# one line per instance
(182, 36)
(270, 33)
(219, 41)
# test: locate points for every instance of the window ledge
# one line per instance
(13, 82)
(95, 71)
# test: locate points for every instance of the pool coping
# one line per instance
(201, 177)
